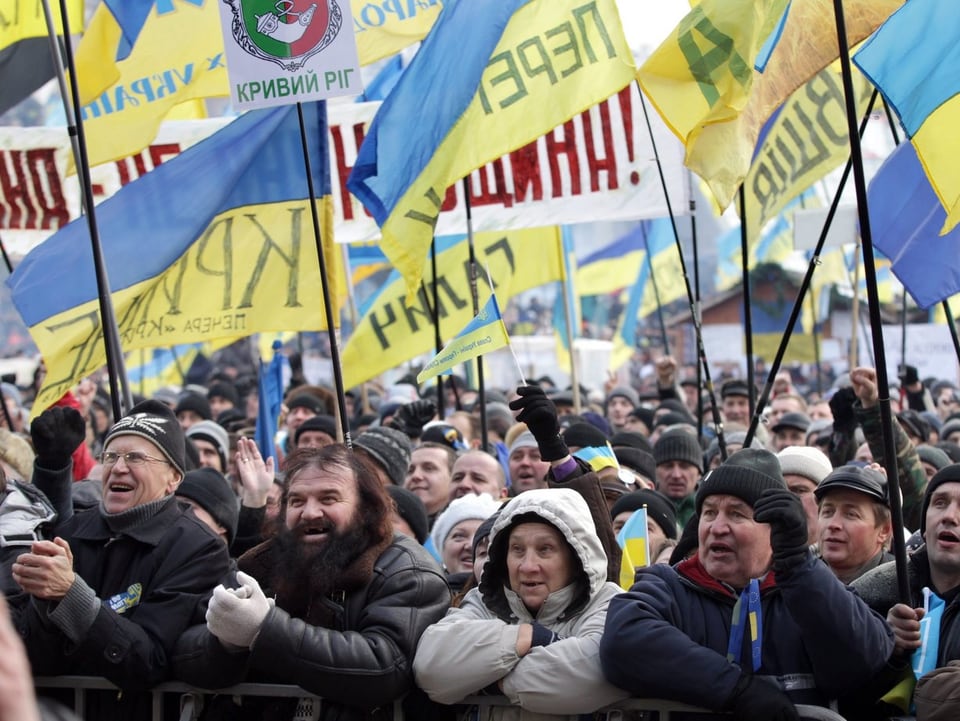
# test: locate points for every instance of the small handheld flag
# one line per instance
(635, 543)
(485, 333)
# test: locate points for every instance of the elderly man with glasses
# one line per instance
(119, 582)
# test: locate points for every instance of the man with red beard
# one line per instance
(351, 600)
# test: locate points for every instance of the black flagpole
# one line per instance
(873, 299)
(6, 258)
(656, 295)
(111, 340)
(327, 302)
(482, 395)
(437, 336)
(694, 307)
(696, 292)
(804, 286)
(747, 315)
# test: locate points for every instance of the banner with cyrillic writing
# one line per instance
(392, 332)
(600, 165)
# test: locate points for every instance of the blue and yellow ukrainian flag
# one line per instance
(216, 243)
(634, 543)
(505, 87)
(485, 333)
(912, 59)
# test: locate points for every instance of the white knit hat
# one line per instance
(805, 461)
(472, 506)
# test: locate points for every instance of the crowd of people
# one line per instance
(447, 554)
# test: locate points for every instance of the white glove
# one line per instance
(235, 615)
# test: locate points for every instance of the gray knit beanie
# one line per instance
(678, 444)
(389, 448)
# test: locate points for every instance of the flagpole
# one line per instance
(116, 374)
(6, 258)
(873, 299)
(437, 336)
(656, 296)
(567, 288)
(804, 287)
(694, 307)
(324, 285)
(696, 291)
(481, 388)
(747, 315)
(855, 308)
(354, 318)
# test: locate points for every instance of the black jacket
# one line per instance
(360, 660)
(158, 575)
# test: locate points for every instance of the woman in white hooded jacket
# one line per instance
(532, 628)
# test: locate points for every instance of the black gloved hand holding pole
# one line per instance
(757, 700)
(540, 415)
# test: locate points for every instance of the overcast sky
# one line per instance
(648, 22)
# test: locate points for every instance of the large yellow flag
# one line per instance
(703, 82)
(522, 68)
(393, 332)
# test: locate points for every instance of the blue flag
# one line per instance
(270, 393)
(906, 218)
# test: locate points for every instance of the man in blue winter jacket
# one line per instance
(752, 623)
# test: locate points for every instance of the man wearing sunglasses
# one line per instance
(119, 583)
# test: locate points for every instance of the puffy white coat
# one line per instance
(474, 645)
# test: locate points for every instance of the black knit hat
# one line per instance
(389, 448)
(584, 435)
(658, 506)
(308, 401)
(632, 439)
(746, 474)
(411, 509)
(196, 403)
(323, 423)
(155, 422)
(483, 531)
(211, 491)
(678, 444)
(640, 461)
(950, 474)
(227, 391)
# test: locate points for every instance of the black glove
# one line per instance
(788, 527)
(56, 434)
(540, 415)
(841, 405)
(410, 418)
(759, 700)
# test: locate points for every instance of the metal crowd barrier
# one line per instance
(191, 699)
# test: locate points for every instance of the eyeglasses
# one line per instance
(133, 458)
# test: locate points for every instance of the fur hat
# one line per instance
(156, 423)
(212, 433)
(658, 506)
(746, 474)
(950, 474)
(678, 444)
(16, 452)
(389, 448)
(806, 461)
(196, 403)
(211, 491)
(470, 507)
(411, 509)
